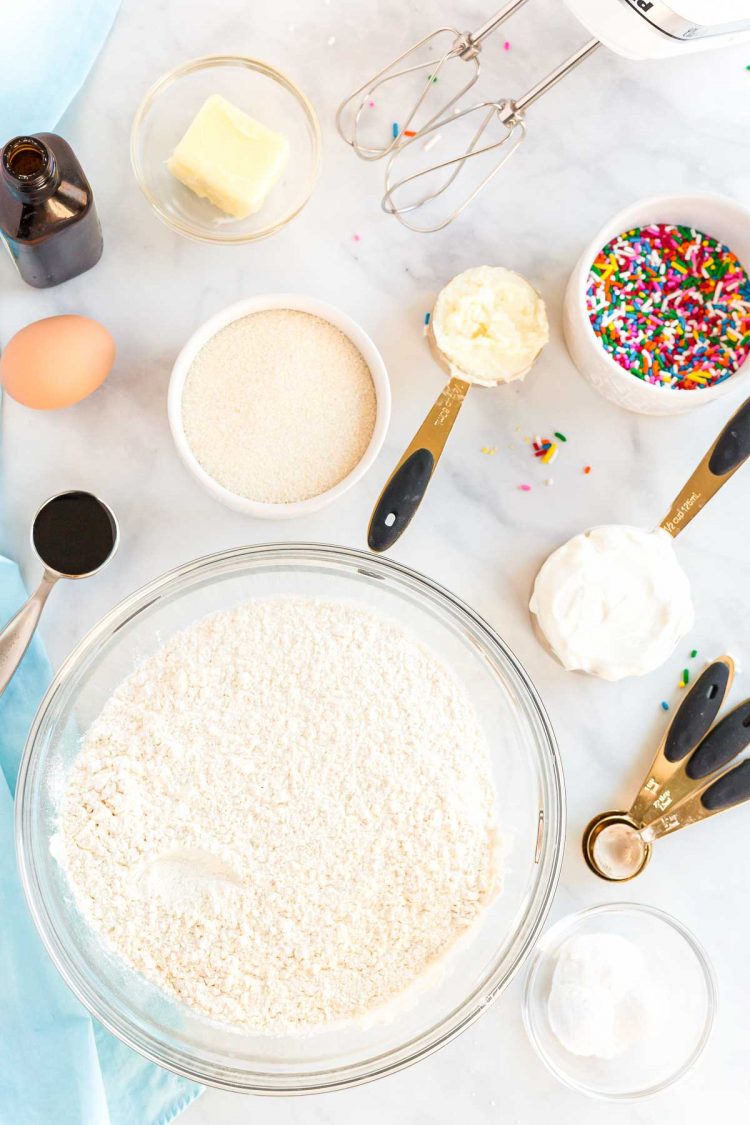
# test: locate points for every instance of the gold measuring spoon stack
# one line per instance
(685, 783)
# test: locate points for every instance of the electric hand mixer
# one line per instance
(636, 29)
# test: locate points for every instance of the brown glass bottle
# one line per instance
(47, 214)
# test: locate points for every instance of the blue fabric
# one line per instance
(47, 49)
(57, 1065)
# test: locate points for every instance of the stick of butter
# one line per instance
(229, 158)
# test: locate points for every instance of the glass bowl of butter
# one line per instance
(226, 149)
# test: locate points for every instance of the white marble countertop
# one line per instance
(615, 131)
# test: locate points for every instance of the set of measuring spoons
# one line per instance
(690, 779)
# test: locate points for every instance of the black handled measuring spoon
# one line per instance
(74, 534)
(617, 847)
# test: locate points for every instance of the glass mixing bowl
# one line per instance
(530, 808)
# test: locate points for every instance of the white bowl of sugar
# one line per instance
(278, 405)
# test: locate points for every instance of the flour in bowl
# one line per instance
(285, 816)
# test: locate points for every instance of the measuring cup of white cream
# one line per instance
(614, 601)
(487, 327)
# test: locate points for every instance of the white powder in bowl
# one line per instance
(285, 816)
(279, 406)
(601, 997)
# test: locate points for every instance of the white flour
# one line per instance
(285, 816)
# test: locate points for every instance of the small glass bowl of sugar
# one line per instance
(619, 1001)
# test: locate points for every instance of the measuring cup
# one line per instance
(405, 488)
(684, 783)
(727, 454)
(74, 534)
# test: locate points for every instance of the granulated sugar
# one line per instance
(285, 816)
(279, 406)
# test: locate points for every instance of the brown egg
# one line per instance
(57, 361)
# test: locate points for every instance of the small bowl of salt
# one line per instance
(619, 1001)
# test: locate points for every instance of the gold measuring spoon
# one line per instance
(74, 534)
(677, 792)
(730, 450)
(405, 488)
(727, 454)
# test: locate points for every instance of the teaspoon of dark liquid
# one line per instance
(74, 534)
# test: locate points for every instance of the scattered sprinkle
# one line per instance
(432, 78)
(664, 705)
(525, 487)
(506, 46)
(559, 436)
(332, 40)
(671, 306)
(371, 103)
(685, 676)
(427, 318)
(395, 129)
(409, 133)
(357, 237)
(431, 142)
(693, 653)
(587, 469)
(489, 449)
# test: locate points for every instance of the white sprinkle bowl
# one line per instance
(715, 215)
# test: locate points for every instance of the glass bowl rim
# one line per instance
(570, 922)
(205, 62)
(550, 845)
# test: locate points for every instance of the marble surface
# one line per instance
(617, 130)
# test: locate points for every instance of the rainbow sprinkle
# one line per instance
(545, 450)
(671, 305)
(664, 705)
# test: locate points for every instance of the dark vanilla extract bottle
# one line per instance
(47, 214)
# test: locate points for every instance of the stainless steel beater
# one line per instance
(508, 114)
(458, 46)
(634, 29)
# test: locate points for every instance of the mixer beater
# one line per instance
(456, 46)
(638, 29)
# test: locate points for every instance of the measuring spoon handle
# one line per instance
(724, 792)
(16, 636)
(407, 484)
(723, 743)
(730, 450)
(692, 720)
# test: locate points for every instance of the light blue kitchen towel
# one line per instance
(47, 47)
(57, 1065)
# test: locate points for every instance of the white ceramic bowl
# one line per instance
(715, 215)
(340, 320)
